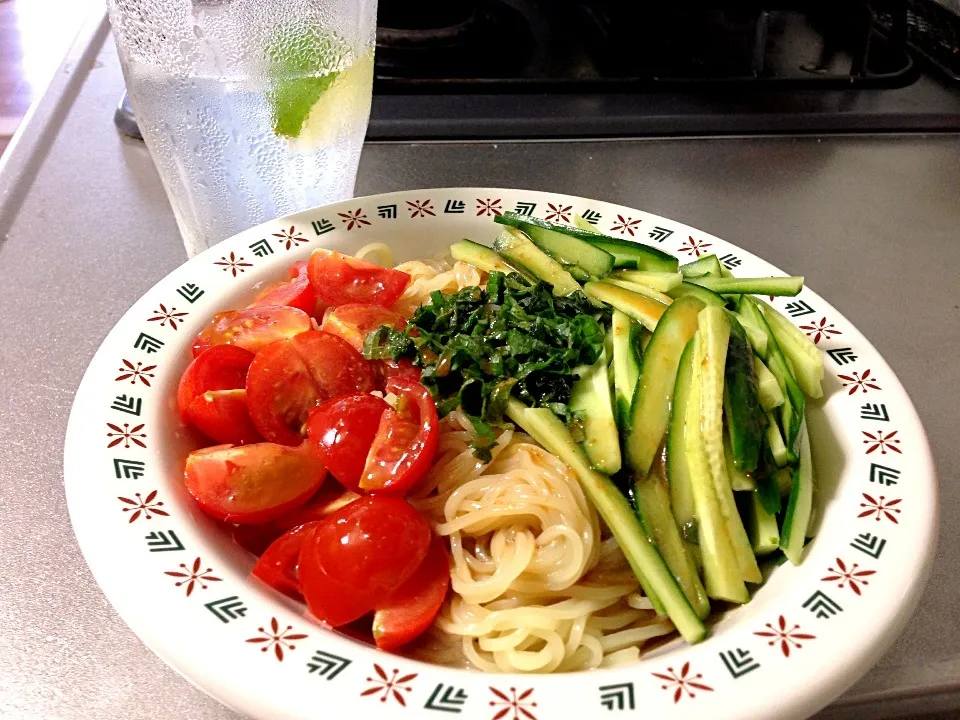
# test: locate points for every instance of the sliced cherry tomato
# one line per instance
(223, 368)
(413, 607)
(252, 328)
(341, 279)
(278, 566)
(406, 440)
(328, 499)
(343, 430)
(252, 483)
(403, 368)
(354, 322)
(222, 415)
(288, 378)
(359, 555)
(297, 293)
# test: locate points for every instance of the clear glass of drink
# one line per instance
(251, 109)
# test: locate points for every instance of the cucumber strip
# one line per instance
(644, 310)
(784, 479)
(703, 266)
(713, 335)
(568, 249)
(761, 526)
(581, 223)
(626, 362)
(576, 272)
(707, 297)
(640, 289)
(662, 281)
(739, 480)
(806, 359)
(787, 286)
(796, 520)
(650, 409)
(652, 501)
(519, 250)
(740, 402)
(591, 396)
(634, 255)
(678, 473)
(768, 389)
(721, 572)
(791, 411)
(483, 258)
(778, 448)
(768, 488)
(645, 337)
(755, 334)
(648, 565)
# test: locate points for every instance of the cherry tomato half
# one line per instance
(252, 328)
(252, 483)
(343, 430)
(222, 368)
(359, 555)
(222, 415)
(340, 279)
(406, 440)
(297, 293)
(386, 369)
(288, 378)
(354, 322)
(412, 607)
(278, 566)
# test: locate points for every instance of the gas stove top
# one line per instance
(560, 68)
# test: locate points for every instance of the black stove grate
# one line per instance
(934, 33)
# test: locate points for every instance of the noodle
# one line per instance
(535, 585)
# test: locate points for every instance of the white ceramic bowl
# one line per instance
(808, 633)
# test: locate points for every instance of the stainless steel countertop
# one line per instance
(871, 222)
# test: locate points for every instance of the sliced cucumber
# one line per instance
(562, 242)
(788, 286)
(591, 396)
(644, 310)
(796, 520)
(739, 480)
(678, 472)
(576, 272)
(721, 571)
(626, 362)
(643, 556)
(713, 335)
(768, 389)
(483, 258)
(652, 500)
(806, 359)
(755, 334)
(761, 526)
(634, 255)
(703, 266)
(662, 281)
(740, 402)
(774, 439)
(650, 409)
(519, 250)
(707, 297)
(640, 289)
(583, 224)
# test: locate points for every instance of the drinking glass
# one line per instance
(251, 109)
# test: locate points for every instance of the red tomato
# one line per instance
(341, 279)
(403, 368)
(406, 440)
(256, 538)
(252, 328)
(297, 293)
(222, 415)
(278, 566)
(252, 483)
(359, 555)
(354, 322)
(222, 368)
(343, 430)
(413, 607)
(288, 378)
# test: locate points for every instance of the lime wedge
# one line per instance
(341, 109)
(303, 63)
